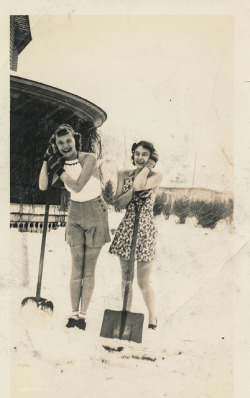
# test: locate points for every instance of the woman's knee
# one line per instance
(143, 283)
(77, 256)
(143, 274)
(92, 254)
(90, 261)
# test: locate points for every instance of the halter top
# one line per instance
(90, 191)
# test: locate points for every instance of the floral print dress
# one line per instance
(147, 233)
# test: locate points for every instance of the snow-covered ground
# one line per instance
(193, 345)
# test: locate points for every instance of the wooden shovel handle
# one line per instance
(45, 225)
(130, 272)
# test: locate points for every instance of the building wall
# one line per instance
(194, 194)
(13, 51)
(20, 37)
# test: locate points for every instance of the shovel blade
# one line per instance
(123, 326)
(41, 303)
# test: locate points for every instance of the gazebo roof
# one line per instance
(81, 107)
(36, 109)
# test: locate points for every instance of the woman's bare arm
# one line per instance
(122, 200)
(43, 177)
(147, 179)
(88, 162)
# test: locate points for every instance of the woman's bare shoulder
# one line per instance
(82, 156)
(125, 173)
(154, 173)
(156, 176)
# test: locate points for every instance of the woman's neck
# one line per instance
(74, 156)
(137, 171)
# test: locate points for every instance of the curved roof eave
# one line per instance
(82, 107)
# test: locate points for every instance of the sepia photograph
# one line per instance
(123, 206)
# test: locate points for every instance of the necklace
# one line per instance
(75, 161)
(72, 164)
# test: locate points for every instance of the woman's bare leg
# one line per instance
(144, 269)
(77, 255)
(88, 281)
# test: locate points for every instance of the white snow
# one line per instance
(193, 282)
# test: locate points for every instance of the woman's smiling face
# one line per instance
(141, 156)
(67, 146)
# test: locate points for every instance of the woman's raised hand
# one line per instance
(153, 159)
(154, 156)
(143, 194)
(51, 150)
(55, 164)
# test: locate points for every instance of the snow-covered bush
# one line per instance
(162, 205)
(209, 213)
(108, 192)
(181, 208)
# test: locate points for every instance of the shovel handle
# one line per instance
(130, 272)
(45, 225)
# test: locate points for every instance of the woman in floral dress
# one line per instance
(136, 192)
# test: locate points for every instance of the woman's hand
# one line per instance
(51, 150)
(143, 194)
(50, 165)
(55, 165)
(153, 159)
(154, 156)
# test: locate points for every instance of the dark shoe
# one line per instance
(81, 323)
(72, 322)
(152, 326)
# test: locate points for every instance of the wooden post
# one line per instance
(194, 168)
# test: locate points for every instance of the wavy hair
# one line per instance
(64, 129)
(145, 144)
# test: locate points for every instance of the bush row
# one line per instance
(207, 213)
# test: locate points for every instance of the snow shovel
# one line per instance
(125, 325)
(42, 303)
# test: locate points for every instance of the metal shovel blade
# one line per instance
(123, 325)
(41, 303)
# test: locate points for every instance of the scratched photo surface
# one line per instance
(164, 79)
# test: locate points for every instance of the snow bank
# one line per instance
(192, 278)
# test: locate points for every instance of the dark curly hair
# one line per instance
(146, 144)
(64, 129)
